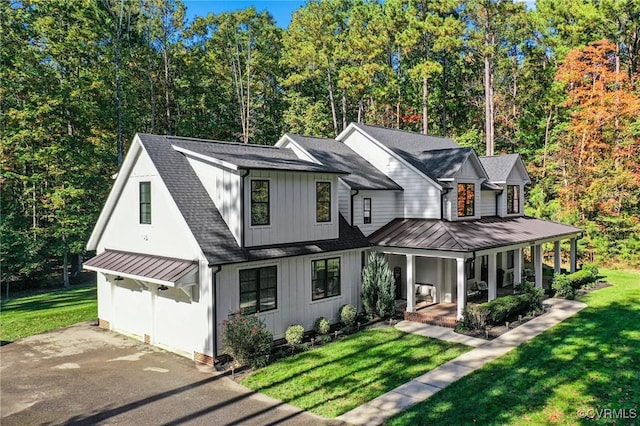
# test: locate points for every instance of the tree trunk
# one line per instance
(65, 269)
(332, 102)
(488, 108)
(425, 105)
(344, 109)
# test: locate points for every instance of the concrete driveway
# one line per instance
(85, 375)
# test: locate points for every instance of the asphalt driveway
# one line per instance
(85, 375)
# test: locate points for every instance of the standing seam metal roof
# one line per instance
(467, 236)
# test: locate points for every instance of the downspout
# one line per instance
(214, 306)
(242, 196)
(353, 194)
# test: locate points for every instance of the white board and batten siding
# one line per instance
(223, 186)
(344, 201)
(292, 205)
(488, 203)
(294, 304)
(385, 206)
(421, 196)
(171, 318)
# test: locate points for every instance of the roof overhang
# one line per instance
(158, 270)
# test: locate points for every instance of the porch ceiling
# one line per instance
(468, 236)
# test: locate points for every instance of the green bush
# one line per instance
(246, 338)
(294, 335)
(477, 316)
(348, 315)
(378, 288)
(321, 326)
(563, 286)
(503, 308)
(566, 285)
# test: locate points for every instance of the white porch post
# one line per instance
(411, 283)
(491, 277)
(574, 255)
(462, 288)
(517, 266)
(537, 261)
(556, 256)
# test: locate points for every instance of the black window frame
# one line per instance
(257, 203)
(469, 207)
(260, 292)
(144, 207)
(366, 219)
(323, 203)
(321, 286)
(513, 196)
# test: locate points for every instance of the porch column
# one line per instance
(517, 266)
(556, 257)
(411, 283)
(537, 262)
(462, 287)
(491, 277)
(574, 253)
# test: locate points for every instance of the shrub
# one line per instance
(566, 285)
(294, 335)
(246, 338)
(478, 315)
(348, 315)
(322, 326)
(563, 287)
(378, 288)
(532, 295)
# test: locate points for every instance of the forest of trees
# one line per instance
(558, 84)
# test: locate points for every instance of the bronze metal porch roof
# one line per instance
(158, 269)
(467, 236)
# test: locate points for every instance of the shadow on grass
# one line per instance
(57, 299)
(346, 374)
(590, 360)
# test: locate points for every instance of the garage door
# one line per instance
(174, 322)
(131, 308)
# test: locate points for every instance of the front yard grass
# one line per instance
(589, 362)
(340, 376)
(24, 316)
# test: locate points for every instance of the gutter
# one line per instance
(353, 194)
(242, 197)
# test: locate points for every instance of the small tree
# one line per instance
(378, 288)
(246, 338)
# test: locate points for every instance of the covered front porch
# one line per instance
(438, 262)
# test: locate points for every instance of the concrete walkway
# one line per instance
(378, 410)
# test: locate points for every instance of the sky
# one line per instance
(281, 10)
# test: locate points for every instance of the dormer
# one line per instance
(266, 195)
(509, 173)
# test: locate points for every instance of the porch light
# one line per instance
(163, 288)
(118, 278)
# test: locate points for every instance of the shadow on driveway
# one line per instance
(85, 375)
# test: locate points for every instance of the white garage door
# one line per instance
(174, 326)
(131, 308)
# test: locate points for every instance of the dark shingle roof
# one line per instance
(349, 238)
(248, 156)
(203, 218)
(436, 157)
(207, 225)
(498, 167)
(467, 236)
(363, 175)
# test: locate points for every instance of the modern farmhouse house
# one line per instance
(194, 230)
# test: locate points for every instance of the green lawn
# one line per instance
(24, 316)
(590, 361)
(340, 376)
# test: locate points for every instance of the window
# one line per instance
(366, 210)
(513, 199)
(323, 201)
(145, 203)
(258, 288)
(259, 202)
(466, 196)
(325, 278)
